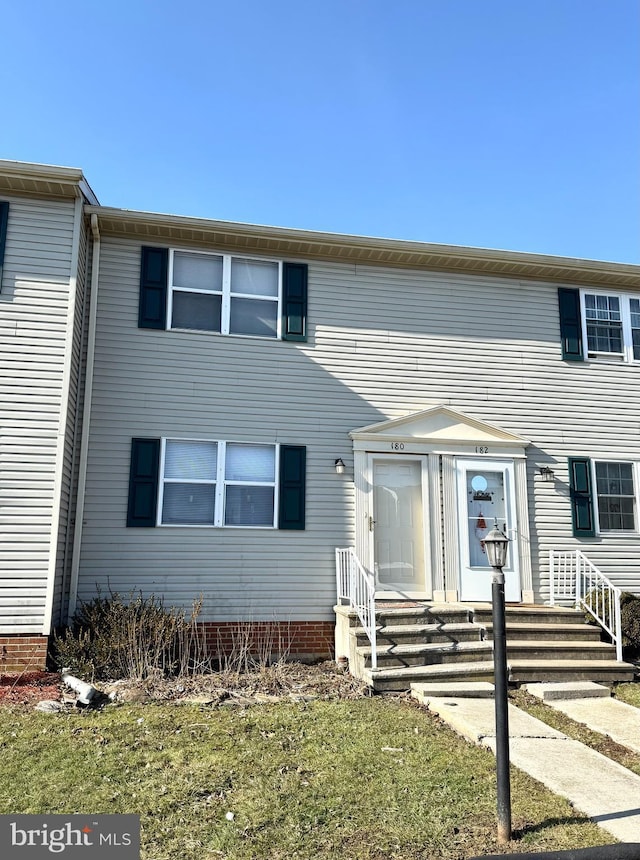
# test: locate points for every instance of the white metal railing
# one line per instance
(574, 579)
(357, 586)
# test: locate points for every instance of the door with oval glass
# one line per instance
(485, 497)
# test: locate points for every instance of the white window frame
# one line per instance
(624, 299)
(220, 482)
(635, 473)
(227, 293)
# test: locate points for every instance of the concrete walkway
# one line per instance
(617, 720)
(602, 789)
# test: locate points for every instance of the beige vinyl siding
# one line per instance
(33, 320)
(73, 431)
(383, 343)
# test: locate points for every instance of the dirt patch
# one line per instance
(286, 681)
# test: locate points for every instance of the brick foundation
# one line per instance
(22, 653)
(294, 640)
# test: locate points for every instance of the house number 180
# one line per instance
(397, 446)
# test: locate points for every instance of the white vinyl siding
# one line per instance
(33, 332)
(383, 343)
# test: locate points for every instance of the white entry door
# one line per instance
(485, 497)
(397, 527)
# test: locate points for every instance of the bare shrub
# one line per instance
(254, 646)
(137, 637)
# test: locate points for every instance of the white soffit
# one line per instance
(439, 424)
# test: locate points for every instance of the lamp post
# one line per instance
(496, 543)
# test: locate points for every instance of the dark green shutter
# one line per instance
(4, 219)
(294, 301)
(143, 482)
(570, 324)
(152, 310)
(581, 497)
(292, 486)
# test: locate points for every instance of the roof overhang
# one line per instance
(310, 245)
(44, 180)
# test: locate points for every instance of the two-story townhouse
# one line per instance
(257, 397)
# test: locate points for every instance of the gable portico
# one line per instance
(428, 486)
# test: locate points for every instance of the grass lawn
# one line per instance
(286, 780)
(629, 693)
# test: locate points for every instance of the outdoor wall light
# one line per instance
(547, 474)
(339, 467)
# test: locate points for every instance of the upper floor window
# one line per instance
(612, 326)
(224, 293)
(230, 295)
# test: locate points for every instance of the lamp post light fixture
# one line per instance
(496, 544)
(339, 465)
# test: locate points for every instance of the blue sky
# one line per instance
(495, 123)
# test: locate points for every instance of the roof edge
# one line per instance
(368, 249)
(47, 178)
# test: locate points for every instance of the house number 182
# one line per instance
(482, 449)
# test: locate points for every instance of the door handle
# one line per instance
(371, 523)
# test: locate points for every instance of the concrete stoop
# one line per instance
(441, 643)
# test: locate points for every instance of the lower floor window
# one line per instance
(218, 483)
(616, 496)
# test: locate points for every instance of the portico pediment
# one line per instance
(440, 425)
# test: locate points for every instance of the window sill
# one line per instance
(211, 526)
(619, 533)
(616, 362)
(220, 334)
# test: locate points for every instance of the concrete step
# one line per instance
(545, 630)
(569, 690)
(520, 672)
(422, 654)
(402, 678)
(423, 614)
(607, 671)
(426, 654)
(414, 634)
(426, 643)
(522, 649)
(423, 692)
(529, 614)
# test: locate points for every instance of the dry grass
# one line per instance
(333, 773)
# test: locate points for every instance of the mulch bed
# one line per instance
(273, 683)
(29, 688)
